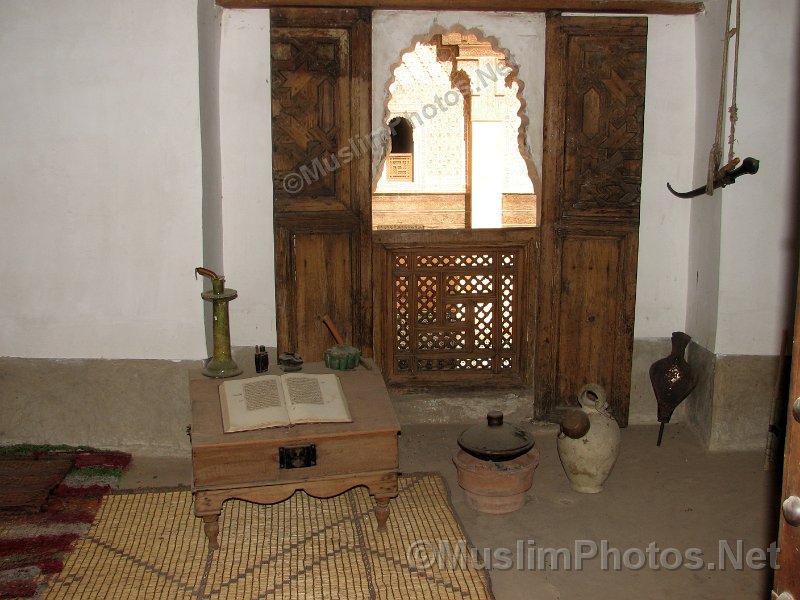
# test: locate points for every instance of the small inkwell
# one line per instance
(262, 359)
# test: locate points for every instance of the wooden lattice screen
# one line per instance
(400, 167)
(456, 313)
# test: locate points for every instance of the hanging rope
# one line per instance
(734, 110)
(721, 175)
(715, 156)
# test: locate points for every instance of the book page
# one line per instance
(252, 403)
(315, 399)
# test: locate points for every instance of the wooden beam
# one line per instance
(644, 7)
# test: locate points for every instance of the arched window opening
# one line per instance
(400, 162)
(454, 160)
(402, 136)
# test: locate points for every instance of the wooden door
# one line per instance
(321, 169)
(787, 575)
(594, 120)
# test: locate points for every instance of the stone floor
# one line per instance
(668, 516)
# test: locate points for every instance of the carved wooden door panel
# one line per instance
(594, 117)
(321, 169)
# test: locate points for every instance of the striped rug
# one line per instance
(48, 510)
(151, 546)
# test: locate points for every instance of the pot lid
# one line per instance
(495, 440)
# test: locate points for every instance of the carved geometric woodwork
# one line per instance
(605, 102)
(309, 110)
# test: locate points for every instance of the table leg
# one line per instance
(211, 527)
(382, 511)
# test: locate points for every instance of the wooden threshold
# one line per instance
(643, 7)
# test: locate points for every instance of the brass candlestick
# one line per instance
(221, 364)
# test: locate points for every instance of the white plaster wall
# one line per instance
(101, 179)
(209, 29)
(742, 263)
(703, 269)
(668, 151)
(521, 34)
(706, 211)
(246, 166)
(758, 235)
(209, 18)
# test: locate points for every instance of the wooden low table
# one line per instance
(247, 464)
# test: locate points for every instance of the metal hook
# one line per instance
(723, 177)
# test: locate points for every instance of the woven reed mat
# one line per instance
(151, 546)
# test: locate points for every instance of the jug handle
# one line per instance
(586, 401)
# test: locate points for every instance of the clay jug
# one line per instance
(588, 454)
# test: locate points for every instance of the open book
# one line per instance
(280, 400)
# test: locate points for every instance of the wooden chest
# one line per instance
(247, 464)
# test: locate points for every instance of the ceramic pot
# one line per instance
(496, 487)
(588, 454)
